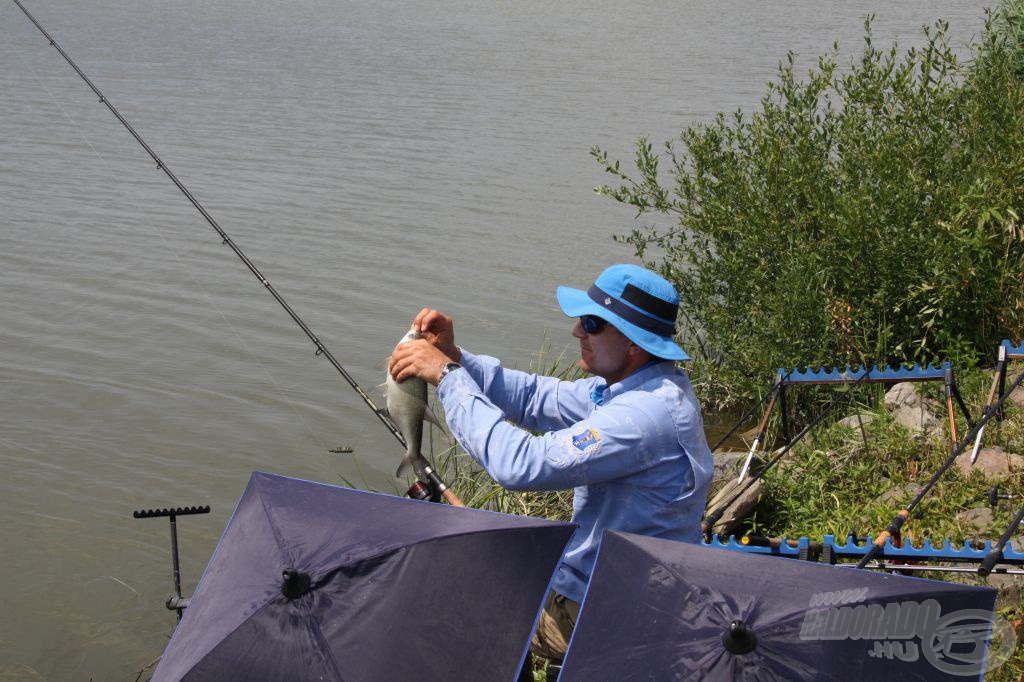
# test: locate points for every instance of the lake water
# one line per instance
(371, 158)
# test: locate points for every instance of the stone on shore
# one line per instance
(975, 521)
(854, 421)
(992, 462)
(911, 410)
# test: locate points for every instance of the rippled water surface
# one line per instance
(371, 158)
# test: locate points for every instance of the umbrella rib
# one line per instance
(278, 537)
(226, 637)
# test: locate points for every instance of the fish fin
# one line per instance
(381, 389)
(431, 418)
(406, 463)
(383, 364)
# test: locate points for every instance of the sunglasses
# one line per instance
(592, 324)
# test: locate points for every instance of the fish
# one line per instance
(407, 408)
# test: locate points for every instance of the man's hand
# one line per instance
(417, 359)
(439, 331)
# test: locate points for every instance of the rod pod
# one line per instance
(175, 602)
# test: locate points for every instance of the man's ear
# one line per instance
(634, 349)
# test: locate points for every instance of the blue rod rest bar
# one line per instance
(821, 375)
(1013, 351)
(945, 551)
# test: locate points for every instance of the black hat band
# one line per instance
(643, 300)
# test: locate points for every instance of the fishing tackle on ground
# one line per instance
(893, 529)
(711, 519)
(829, 550)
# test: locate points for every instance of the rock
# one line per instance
(916, 420)
(900, 496)
(909, 409)
(903, 394)
(1017, 397)
(992, 462)
(738, 510)
(854, 421)
(978, 520)
(1010, 588)
(729, 463)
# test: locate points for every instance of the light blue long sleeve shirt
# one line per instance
(634, 452)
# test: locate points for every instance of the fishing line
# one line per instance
(320, 348)
(135, 200)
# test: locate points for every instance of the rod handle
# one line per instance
(991, 559)
(893, 529)
(451, 498)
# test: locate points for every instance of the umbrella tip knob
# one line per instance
(294, 583)
(739, 639)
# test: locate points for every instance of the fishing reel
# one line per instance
(424, 491)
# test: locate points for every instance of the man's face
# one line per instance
(604, 354)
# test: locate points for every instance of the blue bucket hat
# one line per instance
(639, 303)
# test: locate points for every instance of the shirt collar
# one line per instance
(603, 393)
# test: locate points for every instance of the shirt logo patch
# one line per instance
(586, 440)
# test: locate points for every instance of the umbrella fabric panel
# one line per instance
(457, 608)
(275, 645)
(245, 576)
(398, 589)
(363, 524)
(657, 609)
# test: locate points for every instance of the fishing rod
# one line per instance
(760, 430)
(993, 392)
(435, 479)
(901, 517)
(745, 417)
(996, 554)
(711, 519)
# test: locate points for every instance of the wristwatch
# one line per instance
(448, 367)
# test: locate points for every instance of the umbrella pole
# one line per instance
(320, 348)
(901, 517)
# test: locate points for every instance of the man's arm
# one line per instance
(534, 402)
(613, 442)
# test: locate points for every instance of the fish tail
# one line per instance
(406, 463)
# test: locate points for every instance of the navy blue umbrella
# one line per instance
(662, 610)
(319, 582)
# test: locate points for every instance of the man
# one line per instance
(629, 440)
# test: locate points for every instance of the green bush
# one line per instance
(868, 213)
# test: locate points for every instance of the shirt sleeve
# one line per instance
(534, 402)
(617, 440)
